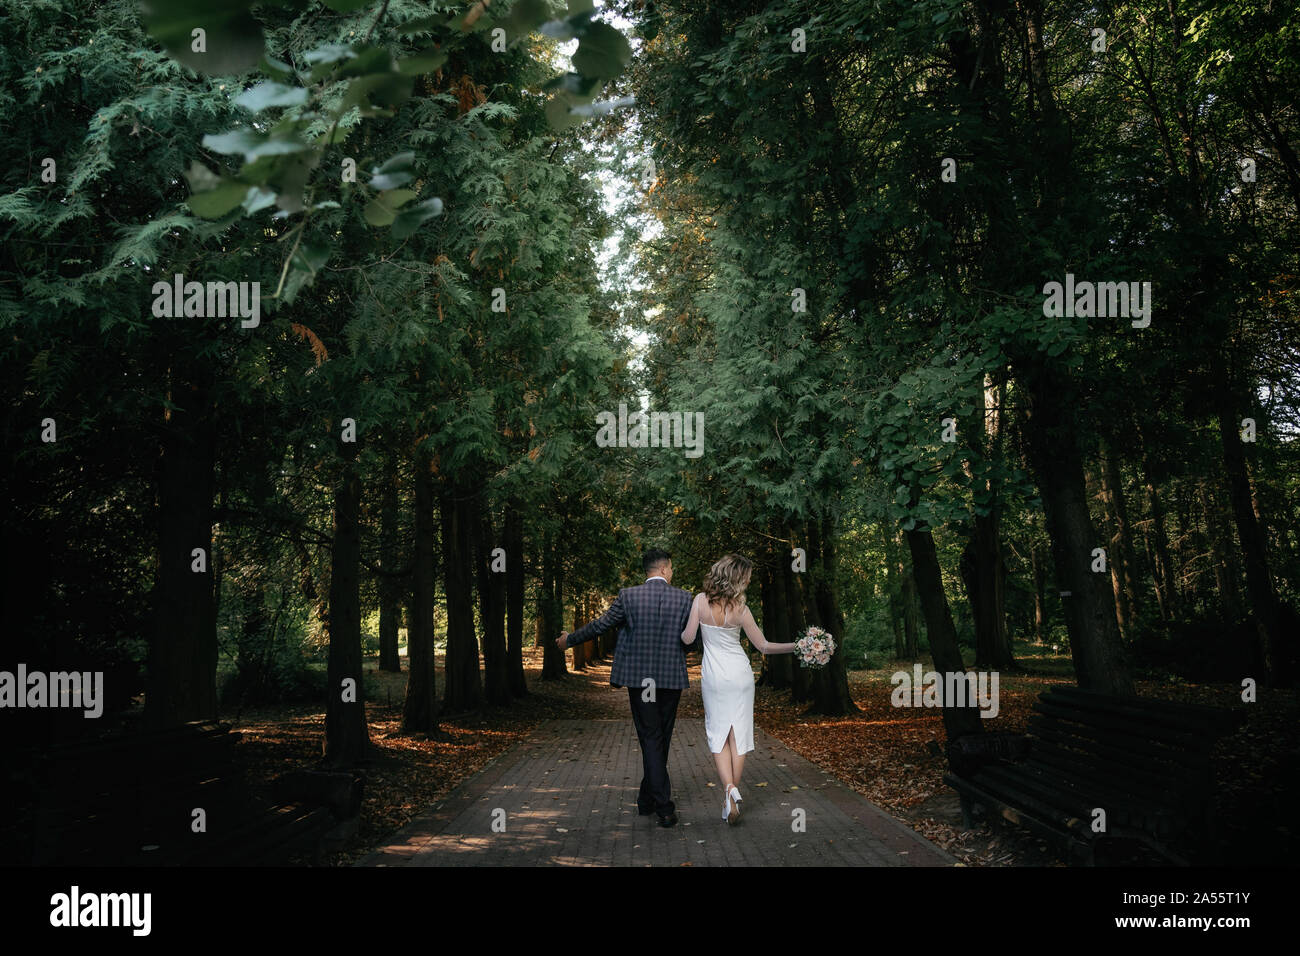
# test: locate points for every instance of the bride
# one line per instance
(727, 677)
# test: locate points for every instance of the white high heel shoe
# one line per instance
(732, 811)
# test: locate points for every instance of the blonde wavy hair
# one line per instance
(726, 581)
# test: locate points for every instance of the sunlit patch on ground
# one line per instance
(893, 756)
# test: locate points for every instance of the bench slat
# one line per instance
(1135, 736)
(1153, 710)
(1147, 763)
(1141, 769)
(140, 790)
(1121, 806)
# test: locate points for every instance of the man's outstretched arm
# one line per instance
(614, 617)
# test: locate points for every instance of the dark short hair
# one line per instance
(653, 558)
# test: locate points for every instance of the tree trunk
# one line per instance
(1040, 583)
(1120, 550)
(765, 601)
(778, 668)
(1089, 603)
(597, 650)
(1219, 542)
(580, 650)
(1278, 646)
(794, 605)
(894, 596)
(463, 685)
(492, 610)
(830, 684)
(347, 736)
(1048, 387)
(550, 614)
(984, 573)
(938, 622)
(1163, 571)
(911, 609)
(390, 589)
(183, 647)
(390, 658)
(420, 710)
(514, 533)
(1113, 560)
(983, 569)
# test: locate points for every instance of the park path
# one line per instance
(567, 796)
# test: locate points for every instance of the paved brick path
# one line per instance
(569, 796)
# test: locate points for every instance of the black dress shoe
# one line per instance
(668, 820)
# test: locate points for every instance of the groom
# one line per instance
(650, 661)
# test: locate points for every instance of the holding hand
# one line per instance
(562, 641)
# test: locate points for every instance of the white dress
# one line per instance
(727, 684)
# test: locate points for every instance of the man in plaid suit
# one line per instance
(650, 661)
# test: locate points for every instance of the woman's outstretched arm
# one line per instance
(756, 637)
(693, 622)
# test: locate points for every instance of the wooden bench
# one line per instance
(1145, 762)
(131, 800)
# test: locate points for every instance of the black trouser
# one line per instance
(654, 728)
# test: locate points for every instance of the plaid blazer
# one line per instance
(652, 617)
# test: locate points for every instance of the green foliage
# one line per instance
(310, 107)
(774, 171)
(924, 299)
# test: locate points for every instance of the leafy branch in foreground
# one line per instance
(302, 109)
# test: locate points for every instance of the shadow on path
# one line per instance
(567, 796)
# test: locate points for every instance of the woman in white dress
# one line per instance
(727, 676)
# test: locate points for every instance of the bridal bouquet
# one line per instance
(815, 648)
